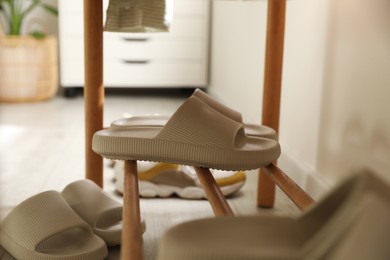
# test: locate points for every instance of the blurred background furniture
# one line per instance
(148, 60)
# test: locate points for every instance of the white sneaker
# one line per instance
(163, 180)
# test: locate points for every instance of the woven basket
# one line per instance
(28, 68)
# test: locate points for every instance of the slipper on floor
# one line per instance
(351, 222)
(195, 135)
(45, 227)
(362, 229)
(161, 120)
(101, 212)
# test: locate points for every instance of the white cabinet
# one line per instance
(178, 58)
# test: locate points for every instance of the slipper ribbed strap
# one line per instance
(40, 217)
(211, 139)
(197, 123)
(232, 114)
(160, 120)
(93, 205)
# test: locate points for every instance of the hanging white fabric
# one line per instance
(139, 15)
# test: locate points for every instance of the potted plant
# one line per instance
(28, 63)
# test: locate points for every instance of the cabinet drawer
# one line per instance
(152, 74)
(138, 48)
(155, 49)
(155, 74)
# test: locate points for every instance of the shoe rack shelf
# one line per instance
(94, 105)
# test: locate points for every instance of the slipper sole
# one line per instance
(157, 150)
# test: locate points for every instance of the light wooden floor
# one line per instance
(42, 148)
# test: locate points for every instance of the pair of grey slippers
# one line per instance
(77, 223)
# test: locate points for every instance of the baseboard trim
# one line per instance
(308, 179)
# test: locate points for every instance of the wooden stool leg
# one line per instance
(300, 198)
(217, 200)
(276, 17)
(132, 244)
(266, 191)
(93, 89)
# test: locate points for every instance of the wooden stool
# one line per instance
(94, 102)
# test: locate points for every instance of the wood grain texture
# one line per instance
(214, 195)
(93, 89)
(272, 86)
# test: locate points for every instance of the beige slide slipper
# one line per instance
(196, 135)
(97, 208)
(161, 120)
(365, 225)
(44, 227)
(352, 222)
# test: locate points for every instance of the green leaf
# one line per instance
(50, 9)
(30, 7)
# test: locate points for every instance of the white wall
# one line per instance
(302, 84)
(355, 119)
(237, 54)
(336, 82)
